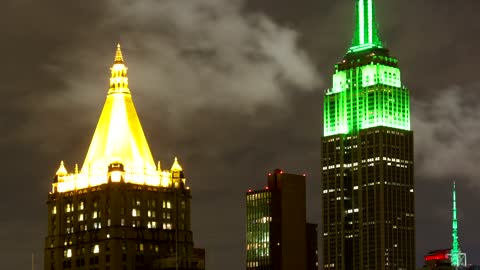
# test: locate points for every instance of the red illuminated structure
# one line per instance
(438, 255)
(438, 259)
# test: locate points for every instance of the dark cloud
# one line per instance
(235, 90)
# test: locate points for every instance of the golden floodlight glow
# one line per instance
(118, 141)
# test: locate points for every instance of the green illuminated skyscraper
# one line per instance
(367, 158)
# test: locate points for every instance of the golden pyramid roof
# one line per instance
(118, 138)
(119, 135)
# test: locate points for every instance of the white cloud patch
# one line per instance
(446, 136)
(183, 57)
(206, 53)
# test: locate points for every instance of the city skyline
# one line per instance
(54, 76)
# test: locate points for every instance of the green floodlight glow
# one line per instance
(366, 32)
(455, 252)
(364, 97)
(367, 90)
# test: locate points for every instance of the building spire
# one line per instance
(119, 79)
(457, 258)
(455, 252)
(118, 55)
(366, 30)
(119, 136)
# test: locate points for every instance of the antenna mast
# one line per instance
(457, 258)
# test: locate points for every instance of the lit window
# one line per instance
(95, 214)
(109, 222)
(96, 249)
(134, 212)
(154, 224)
(54, 210)
(80, 217)
(116, 176)
(149, 213)
(122, 222)
(82, 205)
(169, 205)
(68, 253)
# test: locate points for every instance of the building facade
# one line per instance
(278, 236)
(367, 158)
(121, 210)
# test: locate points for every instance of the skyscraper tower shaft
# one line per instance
(367, 158)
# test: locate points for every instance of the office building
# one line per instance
(121, 210)
(278, 236)
(367, 158)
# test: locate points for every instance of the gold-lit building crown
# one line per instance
(119, 150)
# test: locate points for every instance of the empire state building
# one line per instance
(367, 158)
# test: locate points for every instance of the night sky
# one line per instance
(234, 88)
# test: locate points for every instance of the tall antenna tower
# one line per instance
(457, 258)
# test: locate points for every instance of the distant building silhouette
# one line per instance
(121, 211)
(278, 236)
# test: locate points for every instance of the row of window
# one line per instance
(69, 207)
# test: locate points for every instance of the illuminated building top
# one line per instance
(119, 150)
(366, 32)
(457, 258)
(367, 90)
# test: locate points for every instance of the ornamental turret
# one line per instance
(178, 177)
